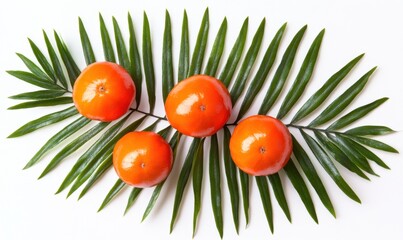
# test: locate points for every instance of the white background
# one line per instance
(30, 210)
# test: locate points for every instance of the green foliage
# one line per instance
(54, 71)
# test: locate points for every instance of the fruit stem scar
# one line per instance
(101, 88)
(262, 150)
(202, 108)
(143, 165)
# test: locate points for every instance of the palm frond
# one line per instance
(215, 184)
(232, 178)
(72, 69)
(148, 63)
(183, 65)
(197, 177)
(334, 146)
(282, 72)
(248, 63)
(167, 63)
(265, 66)
(235, 55)
(135, 60)
(263, 186)
(86, 44)
(183, 178)
(196, 63)
(44, 121)
(312, 175)
(39, 95)
(58, 138)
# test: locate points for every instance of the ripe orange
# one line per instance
(104, 91)
(142, 159)
(198, 106)
(261, 145)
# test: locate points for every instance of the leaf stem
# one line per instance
(289, 125)
(148, 114)
(314, 129)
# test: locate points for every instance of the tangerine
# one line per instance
(142, 159)
(198, 106)
(260, 145)
(104, 91)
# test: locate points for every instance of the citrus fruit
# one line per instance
(104, 91)
(142, 159)
(260, 145)
(198, 106)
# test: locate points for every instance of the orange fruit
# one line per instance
(198, 106)
(142, 159)
(104, 91)
(260, 145)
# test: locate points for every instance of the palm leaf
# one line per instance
(338, 155)
(86, 44)
(235, 55)
(148, 63)
(183, 179)
(350, 148)
(37, 71)
(302, 78)
(301, 188)
(109, 53)
(44, 121)
(217, 50)
(282, 72)
(132, 198)
(248, 63)
(356, 114)
(369, 131)
(135, 60)
(266, 201)
(200, 46)
(261, 75)
(73, 146)
(123, 55)
(330, 168)
(370, 155)
(215, 184)
(375, 144)
(167, 63)
(183, 65)
(71, 66)
(345, 145)
(42, 60)
(320, 96)
(102, 168)
(197, 177)
(58, 138)
(342, 101)
(313, 177)
(117, 187)
(275, 182)
(39, 95)
(34, 80)
(43, 103)
(58, 71)
(232, 178)
(245, 187)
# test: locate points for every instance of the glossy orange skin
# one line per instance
(260, 145)
(198, 106)
(104, 91)
(142, 159)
